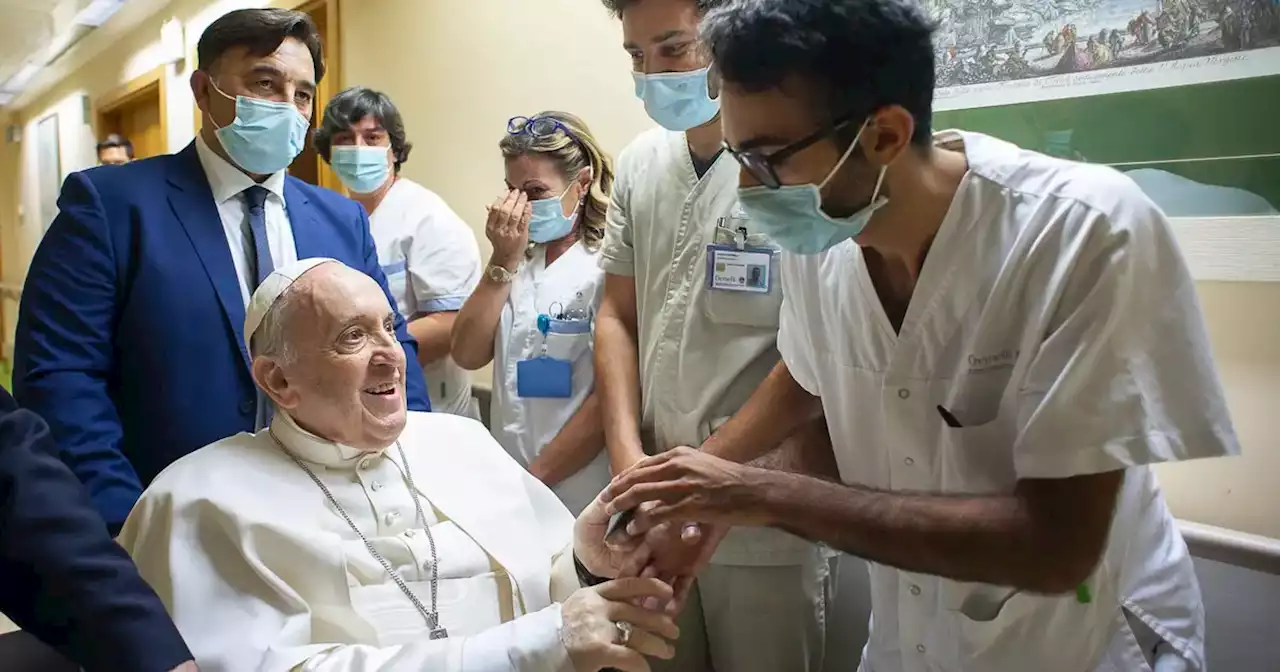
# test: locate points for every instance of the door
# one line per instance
(309, 167)
(136, 111)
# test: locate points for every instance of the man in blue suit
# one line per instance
(129, 333)
(62, 578)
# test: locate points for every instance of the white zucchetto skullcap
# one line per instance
(270, 290)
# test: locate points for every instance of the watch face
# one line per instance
(500, 274)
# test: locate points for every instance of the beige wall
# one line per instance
(1239, 493)
(459, 68)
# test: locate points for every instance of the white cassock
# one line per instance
(260, 571)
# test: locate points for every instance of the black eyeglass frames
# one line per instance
(763, 167)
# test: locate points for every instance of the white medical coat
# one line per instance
(432, 264)
(702, 352)
(260, 572)
(1055, 319)
(525, 426)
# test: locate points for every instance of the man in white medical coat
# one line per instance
(351, 535)
(682, 340)
(1002, 342)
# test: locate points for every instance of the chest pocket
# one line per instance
(747, 308)
(398, 283)
(568, 339)
(977, 437)
(974, 398)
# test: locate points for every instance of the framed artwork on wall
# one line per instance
(1002, 52)
(1180, 95)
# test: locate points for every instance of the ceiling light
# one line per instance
(98, 12)
(21, 78)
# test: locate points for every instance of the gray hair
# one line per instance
(269, 340)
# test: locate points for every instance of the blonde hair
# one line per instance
(572, 148)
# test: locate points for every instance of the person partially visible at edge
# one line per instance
(428, 253)
(680, 346)
(62, 578)
(115, 150)
(353, 536)
(538, 302)
(1002, 342)
(129, 332)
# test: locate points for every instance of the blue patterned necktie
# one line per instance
(256, 198)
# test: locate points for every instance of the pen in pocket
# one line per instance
(948, 418)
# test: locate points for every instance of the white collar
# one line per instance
(227, 181)
(310, 448)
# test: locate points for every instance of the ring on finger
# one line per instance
(624, 632)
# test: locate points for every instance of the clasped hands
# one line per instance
(685, 502)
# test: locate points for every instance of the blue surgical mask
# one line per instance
(792, 214)
(361, 169)
(265, 137)
(678, 101)
(549, 222)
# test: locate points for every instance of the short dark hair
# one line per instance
(616, 6)
(116, 140)
(354, 104)
(862, 55)
(261, 31)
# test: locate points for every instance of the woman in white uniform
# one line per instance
(429, 255)
(533, 312)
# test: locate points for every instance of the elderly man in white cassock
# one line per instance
(352, 535)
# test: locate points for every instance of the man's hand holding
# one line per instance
(690, 486)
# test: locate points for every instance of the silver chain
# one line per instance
(431, 615)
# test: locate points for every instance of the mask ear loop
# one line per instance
(847, 153)
(215, 87)
(879, 181)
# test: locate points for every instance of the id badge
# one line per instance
(544, 378)
(734, 269)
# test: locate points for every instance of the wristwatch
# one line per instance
(585, 578)
(501, 274)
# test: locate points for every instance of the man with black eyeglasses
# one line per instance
(1001, 341)
(682, 340)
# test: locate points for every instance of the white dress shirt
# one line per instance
(702, 352)
(525, 426)
(228, 184)
(432, 264)
(1056, 323)
(260, 572)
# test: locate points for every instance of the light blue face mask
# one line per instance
(678, 101)
(265, 137)
(549, 222)
(361, 169)
(792, 214)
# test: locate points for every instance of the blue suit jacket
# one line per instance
(62, 578)
(130, 332)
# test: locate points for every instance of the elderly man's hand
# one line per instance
(620, 555)
(604, 626)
